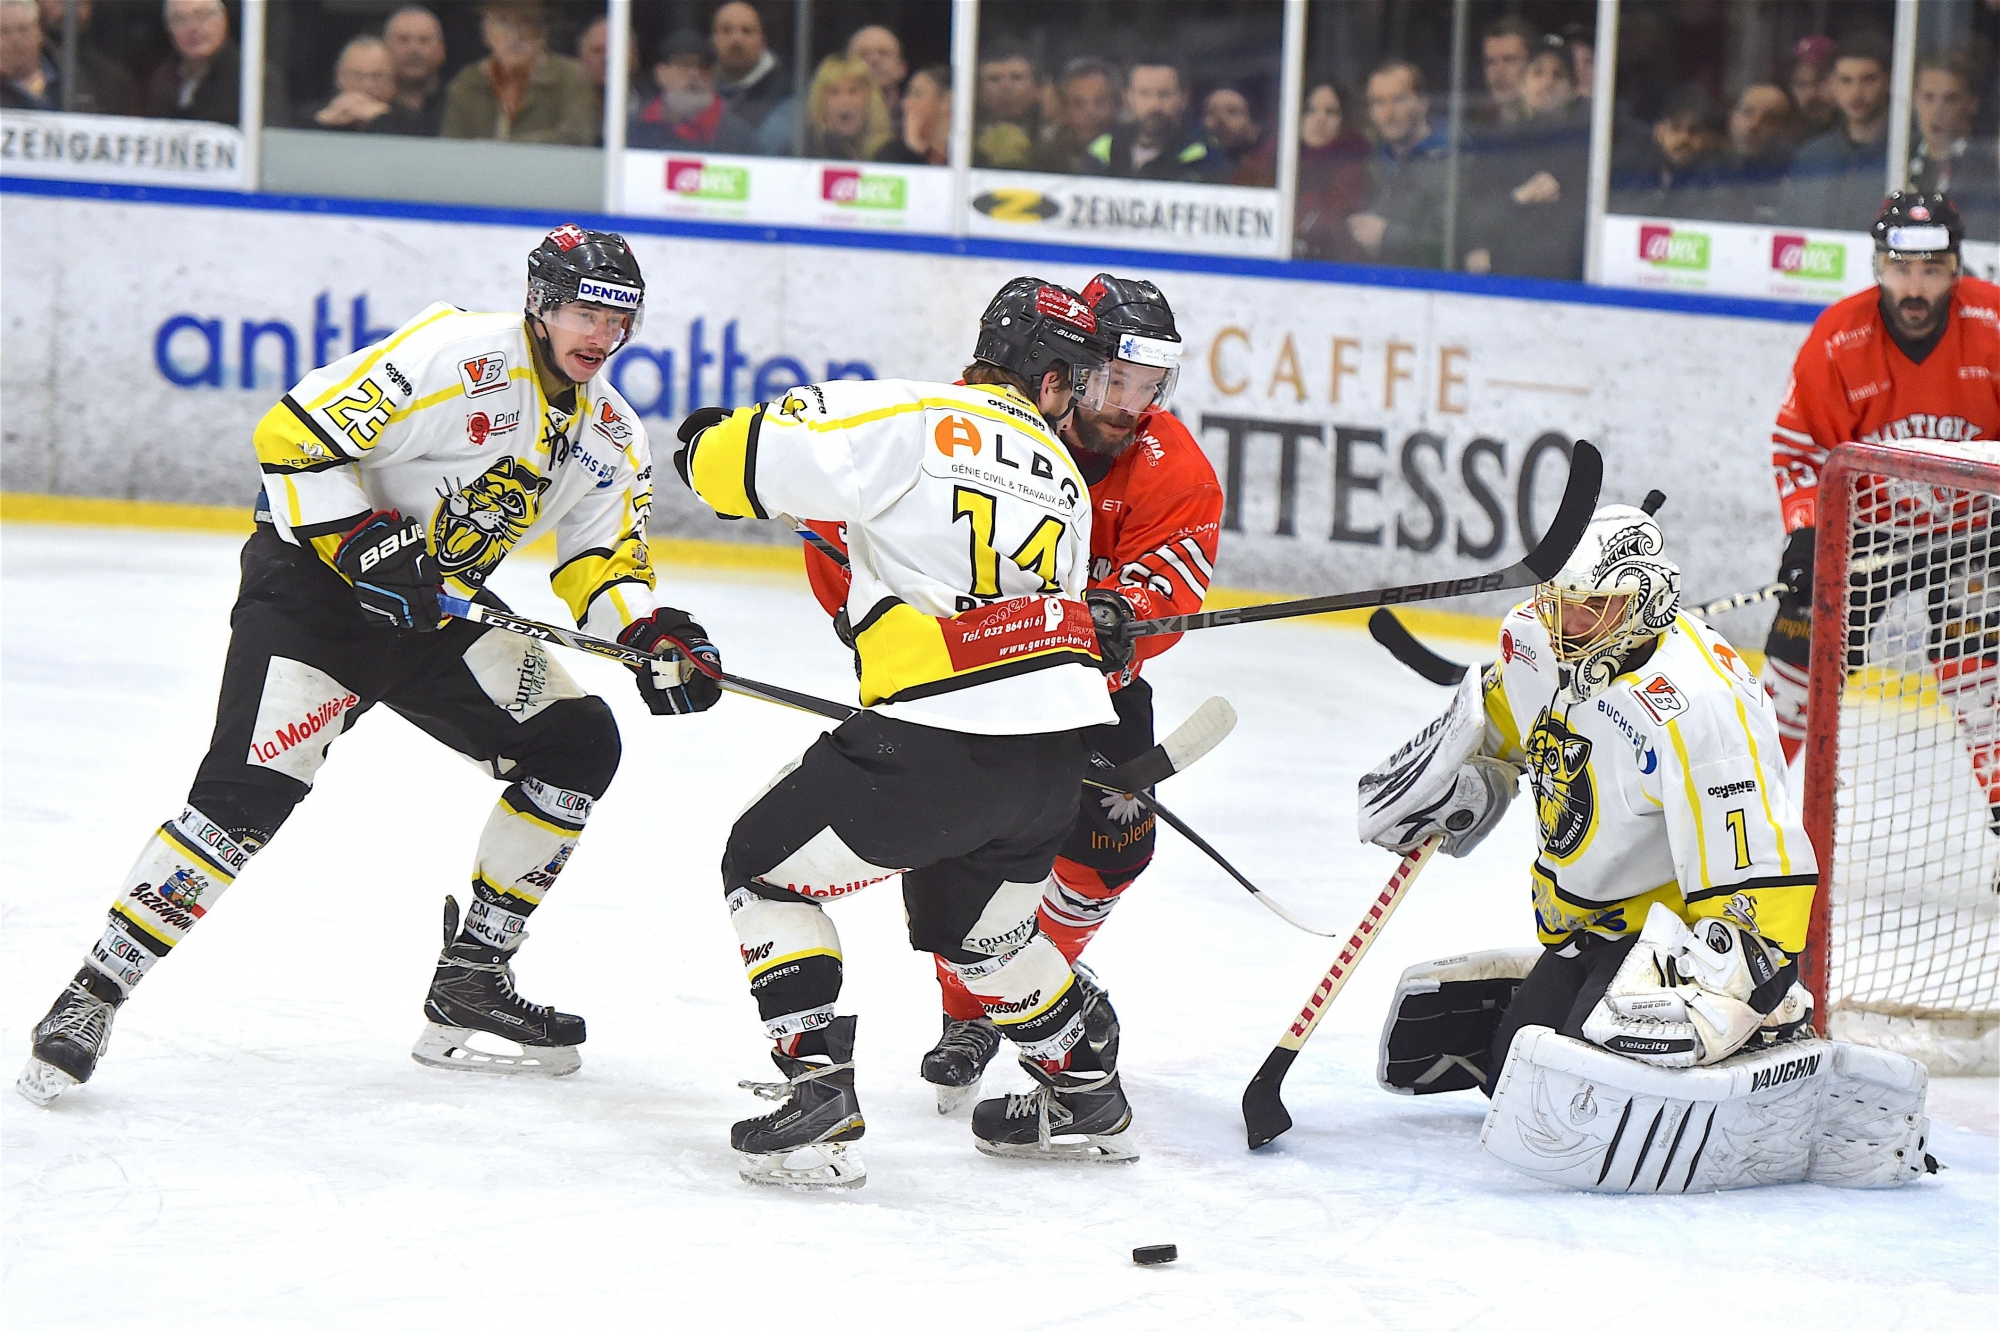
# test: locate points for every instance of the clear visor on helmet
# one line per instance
(1142, 376)
(595, 322)
(1578, 623)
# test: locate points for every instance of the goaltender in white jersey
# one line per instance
(1673, 887)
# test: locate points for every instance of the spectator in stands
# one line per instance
(1232, 122)
(1525, 200)
(103, 86)
(1087, 97)
(1582, 40)
(1836, 179)
(202, 79)
(364, 92)
(926, 136)
(28, 79)
(1333, 178)
(845, 118)
(1505, 51)
(1759, 152)
(415, 40)
(1809, 82)
(1674, 169)
(752, 80)
(1008, 114)
(522, 92)
(1948, 157)
(1404, 222)
(882, 51)
(1157, 140)
(593, 52)
(688, 111)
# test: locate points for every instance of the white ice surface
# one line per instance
(258, 1149)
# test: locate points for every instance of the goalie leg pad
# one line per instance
(1572, 1114)
(1442, 1020)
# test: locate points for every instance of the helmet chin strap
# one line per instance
(539, 331)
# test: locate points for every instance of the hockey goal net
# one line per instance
(1903, 752)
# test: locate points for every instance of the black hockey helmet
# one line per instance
(1136, 315)
(592, 267)
(1913, 224)
(1030, 325)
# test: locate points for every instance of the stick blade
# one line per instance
(1264, 1114)
(1206, 727)
(1404, 646)
(1586, 478)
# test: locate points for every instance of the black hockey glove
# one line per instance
(1796, 565)
(681, 686)
(388, 561)
(689, 431)
(1110, 613)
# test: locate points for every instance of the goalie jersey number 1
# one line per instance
(1016, 502)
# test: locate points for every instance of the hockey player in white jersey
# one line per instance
(410, 466)
(968, 529)
(1672, 889)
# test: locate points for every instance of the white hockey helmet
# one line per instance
(1615, 591)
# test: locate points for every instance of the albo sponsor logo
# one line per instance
(845, 187)
(1797, 257)
(1670, 247)
(696, 179)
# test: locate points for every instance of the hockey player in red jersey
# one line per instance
(1156, 510)
(1915, 357)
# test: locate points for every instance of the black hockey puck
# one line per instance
(1156, 1254)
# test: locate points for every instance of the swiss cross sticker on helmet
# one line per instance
(567, 237)
(1059, 304)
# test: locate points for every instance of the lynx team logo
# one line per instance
(1565, 800)
(477, 524)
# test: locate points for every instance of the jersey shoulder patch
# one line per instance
(1662, 699)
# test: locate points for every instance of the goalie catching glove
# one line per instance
(1440, 783)
(689, 682)
(1693, 995)
(388, 560)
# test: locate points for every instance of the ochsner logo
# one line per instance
(692, 176)
(1664, 247)
(1800, 258)
(846, 187)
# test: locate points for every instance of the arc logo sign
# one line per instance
(1670, 247)
(706, 180)
(848, 187)
(1795, 256)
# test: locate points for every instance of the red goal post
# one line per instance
(1903, 727)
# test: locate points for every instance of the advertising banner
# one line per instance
(712, 187)
(126, 149)
(1363, 435)
(1738, 259)
(1099, 210)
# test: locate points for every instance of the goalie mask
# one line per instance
(1614, 593)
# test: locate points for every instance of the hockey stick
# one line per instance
(1586, 473)
(1391, 633)
(1180, 826)
(1264, 1114)
(618, 652)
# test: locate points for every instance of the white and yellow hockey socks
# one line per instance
(527, 841)
(791, 955)
(1032, 997)
(183, 872)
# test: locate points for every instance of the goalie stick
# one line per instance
(1586, 473)
(1264, 1114)
(1203, 730)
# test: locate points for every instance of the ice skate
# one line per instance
(473, 1002)
(804, 1143)
(71, 1038)
(955, 1065)
(1076, 1116)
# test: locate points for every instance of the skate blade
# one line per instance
(440, 1047)
(951, 1101)
(1085, 1150)
(41, 1082)
(816, 1166)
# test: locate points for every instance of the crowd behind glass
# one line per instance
(1135, 89)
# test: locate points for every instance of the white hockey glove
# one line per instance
(1683, 997)
(1439, 783)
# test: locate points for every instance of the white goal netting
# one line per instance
(1912, 930)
